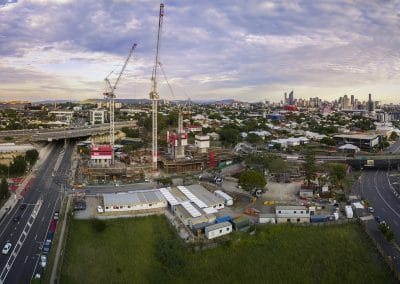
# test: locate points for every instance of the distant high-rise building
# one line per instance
(352, 101)
(370, 103)
(346, 102)
(285, 100)
(291, 99)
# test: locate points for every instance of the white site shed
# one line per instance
(266, 218)
(134, 201)
(228, 199)
(218, 230)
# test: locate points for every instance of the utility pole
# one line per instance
(154, 97)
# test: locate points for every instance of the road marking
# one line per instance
(26, 259)
(17, 248)
(383, 199)
(35, 237)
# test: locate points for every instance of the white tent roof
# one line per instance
(349, 147)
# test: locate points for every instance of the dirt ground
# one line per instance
(282, 192)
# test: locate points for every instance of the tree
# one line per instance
(328, 141)
(394, 136)
(338, 175)
(229, 136)
(31, 156)
(253, 138)
(310, 167)
(129, 132)
(251, 179)
(18, 166)
(4, 192)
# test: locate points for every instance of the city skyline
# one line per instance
(249, 51)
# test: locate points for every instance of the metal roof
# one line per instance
(210, 210)
(191, 196)
(204, 195)
(217, 226)
(153, 196)
(190, 208)
(170, 198)
(292, 207)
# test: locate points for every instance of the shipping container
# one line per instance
(319, 218)
(225, 218)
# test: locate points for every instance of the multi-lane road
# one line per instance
(28, 234)
(376, 188)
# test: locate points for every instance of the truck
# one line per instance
(349, 211)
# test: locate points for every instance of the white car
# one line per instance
(6, 248)
(100, 209)
(43, 261)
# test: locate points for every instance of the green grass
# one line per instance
(146, 250)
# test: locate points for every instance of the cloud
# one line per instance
(219, 48)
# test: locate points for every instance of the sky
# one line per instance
(210, 49)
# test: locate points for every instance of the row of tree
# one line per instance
(20, 163)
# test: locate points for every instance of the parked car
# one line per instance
(56, 215)
(378, 219)
(17, 218)
(22, 207)
(371, 210)
(100, 209)
(6, 248)
(43, 261)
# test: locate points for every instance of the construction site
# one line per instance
(105, 163)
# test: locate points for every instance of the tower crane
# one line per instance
(111, 96)
(153, 93)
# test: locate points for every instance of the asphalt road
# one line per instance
(375, 187)
(44, 187)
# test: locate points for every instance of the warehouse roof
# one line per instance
(149, 196)
(204, 195)
(292, 207)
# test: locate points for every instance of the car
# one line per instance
(23, 206)
(100, 209)
(17, 218)
(6, 248)
(43, 261)
(56, 215)
(371, 210)
(378, 219)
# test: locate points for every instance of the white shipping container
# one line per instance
(227, 199)
(218, 230)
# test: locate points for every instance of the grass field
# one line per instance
(146, 250)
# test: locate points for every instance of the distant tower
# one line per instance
(370, 103)
(285, 100)
(291, 100)
(352, 101)
(346, 102)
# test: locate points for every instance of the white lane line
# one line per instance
(35, 237)
(26, 259)
(383, 199)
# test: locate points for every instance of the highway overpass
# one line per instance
(42, 135)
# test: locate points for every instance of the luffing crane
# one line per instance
(153, 93)
(111, 96)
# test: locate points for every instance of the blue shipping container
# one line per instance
(226, 218)
(318, 218)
